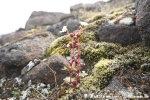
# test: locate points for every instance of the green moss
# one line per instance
(104, 70)
(96, 50)
(101, 75)
(59, 46)
(98, 17)
(130, 5)
(94, 26)
(88, 36)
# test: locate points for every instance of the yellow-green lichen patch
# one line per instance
(59, 46)
(100, 16)
(134, 58)
(88, 36)
(94, 26)
(103, 71)
(101, 75)
(96, 50)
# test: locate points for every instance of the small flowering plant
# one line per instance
(75, 63)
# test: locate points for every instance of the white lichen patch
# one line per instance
(18, 81)
(126, 21)
(112, 22)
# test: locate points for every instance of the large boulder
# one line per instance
(39, 18)
(143, 20)
(122, 34)
(44, 72)
(14, 56)
(71, 23)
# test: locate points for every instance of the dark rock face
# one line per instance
(15, 56)
(85, 7)
(124, 35)
(44, 18)
(43, 73)
(71, 23)
(143, 20)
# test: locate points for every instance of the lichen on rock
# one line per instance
(102, 72)
(101, 75)
(58, 46)
(96, 50)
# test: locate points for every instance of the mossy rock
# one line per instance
(90, 50)
(101, 75)
(104, 70)
(122, 11)
(96, 50)
(58, 46)
(94, 26)
(98, 17)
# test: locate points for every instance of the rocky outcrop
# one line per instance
(16, 55)
(143, 20)
(44, 72)
(71, 23)
(85, 7)
(122, 34)
(12, 36)
(40, 18)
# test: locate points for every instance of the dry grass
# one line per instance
(105, 8)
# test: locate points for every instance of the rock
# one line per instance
(16, 55)
(20, 29)
(71, 23)
(76, 8)
(85, 7)
(40, 18)
(122, 34)
(143, 20)
(12, 36)
(92, 7)
(43, 73)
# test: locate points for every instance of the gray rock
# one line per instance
(40, 18)
(143, 20)
(43, 73)
(85, 7)
(12, 36)
(71, 23)
(15, 56)
(122, 34)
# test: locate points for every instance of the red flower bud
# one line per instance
(81, 64)
(76, 41)
(74, 84)
(71, 34)
(76, 62)
(78, 35)
(79, 55)
(77, 71)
